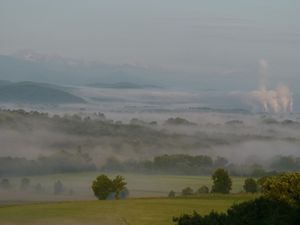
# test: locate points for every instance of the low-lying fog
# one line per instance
(242, 135)
(136, 125)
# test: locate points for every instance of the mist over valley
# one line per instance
(149, 112)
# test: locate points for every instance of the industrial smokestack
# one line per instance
(263, 72)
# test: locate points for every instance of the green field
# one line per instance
(147, 204)
(148, 211)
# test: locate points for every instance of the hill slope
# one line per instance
(29, 92)
(121, 85)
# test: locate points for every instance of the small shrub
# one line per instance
(203, 190)
(172, 194)
(25, 184)
(5, 184)
(38, 188)
(187, 191)
(58, 188)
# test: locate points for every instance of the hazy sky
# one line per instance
(204, 37)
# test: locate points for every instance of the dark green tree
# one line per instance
(250, 185)
(172, 194)
(221, 181)
(119, 185)
(102, 187)
(284, 187)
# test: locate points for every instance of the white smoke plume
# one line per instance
(263, 72)
(279, 100)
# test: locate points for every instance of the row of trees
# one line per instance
(198, 165)
(222, 183)
(174, 164)
(104, 187)
(58, 162)
(26, 186)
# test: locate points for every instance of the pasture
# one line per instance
(140, 211)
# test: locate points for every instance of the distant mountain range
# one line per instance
(32, 66)
(43, 68)
(121, 85)
(35, 93)
(39, 68)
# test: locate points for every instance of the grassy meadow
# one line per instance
(140, 211)
(147, 203)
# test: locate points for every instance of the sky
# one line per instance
(215, 38)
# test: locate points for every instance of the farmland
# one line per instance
(140, 211)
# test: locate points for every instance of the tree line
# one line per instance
(184, 164)
(58, 162)
(27, 186)
(103, 186)
(78, 161)
(222, 183)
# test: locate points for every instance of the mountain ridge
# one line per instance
(36, 93)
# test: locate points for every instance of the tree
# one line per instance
(5, 184)
(171, 194)
(187, 191)
(25, 183)
(71, 192)
(284, 187)
(119, 185)
(102, 187)
(38, 188)
(58, 187)
(250, 185)
(221, 181)
(203, 190)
